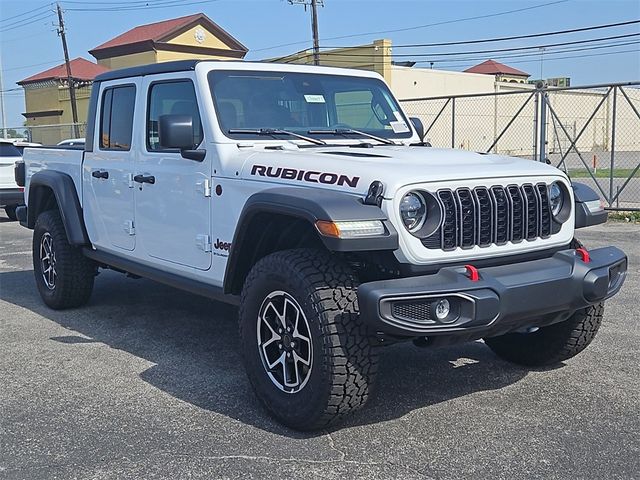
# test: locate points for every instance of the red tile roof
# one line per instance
(81, 69)
(491, 67)
(152, 31)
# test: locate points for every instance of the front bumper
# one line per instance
(504, 298)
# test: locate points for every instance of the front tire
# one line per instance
(306, 350)
(552, 344)
(64, 276)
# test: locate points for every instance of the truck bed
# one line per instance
(62, 159)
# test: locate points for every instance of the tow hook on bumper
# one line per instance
(460, 300)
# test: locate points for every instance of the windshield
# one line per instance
(300, 102)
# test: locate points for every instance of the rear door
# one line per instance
(108, 169)
(173, 214)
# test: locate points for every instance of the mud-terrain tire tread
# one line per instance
(348, 351)
(75, 272)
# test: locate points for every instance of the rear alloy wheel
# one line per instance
(63, 275)
(48, 261)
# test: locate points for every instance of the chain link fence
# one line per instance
(592, 133)
(46, 134)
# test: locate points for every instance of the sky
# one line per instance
(29, 43)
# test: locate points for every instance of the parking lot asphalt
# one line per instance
(146, 382)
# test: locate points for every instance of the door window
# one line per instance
(116, 121)
(172, 98)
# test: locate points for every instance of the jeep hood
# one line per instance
(353, 169)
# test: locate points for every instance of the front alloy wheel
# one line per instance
(284, 342)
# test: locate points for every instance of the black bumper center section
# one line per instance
(505, 298)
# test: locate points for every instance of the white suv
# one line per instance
(10, 194)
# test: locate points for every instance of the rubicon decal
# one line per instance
(310, 176)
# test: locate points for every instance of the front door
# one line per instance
(173, 211)
(107, 171)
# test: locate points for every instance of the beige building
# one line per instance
(48, 104)
(47, 99)
(375, 57)
(193, 36)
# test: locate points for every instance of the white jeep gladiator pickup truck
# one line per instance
(306, 196)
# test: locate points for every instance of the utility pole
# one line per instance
(72, 87)
(2, 110)
(314, 24)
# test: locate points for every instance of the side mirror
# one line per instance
(176, 131)
(417, 124)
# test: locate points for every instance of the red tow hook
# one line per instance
(584, 255)
(472, 273)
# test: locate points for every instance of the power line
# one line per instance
(32, 65)
(26, 13)
(417, 27)
(536, 54)
(156, 5)
(46, 16)
(635, 50)
(515, 37)
(463, 58)
(475, 52)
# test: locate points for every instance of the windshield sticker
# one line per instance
(314, 98)
(399, 127)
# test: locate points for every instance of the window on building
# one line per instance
(116, 122)
(172, 98)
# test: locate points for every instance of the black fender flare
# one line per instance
(64, 190)
(311, 205)
(585, 217)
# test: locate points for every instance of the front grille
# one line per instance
(484, 216)
(413, 310)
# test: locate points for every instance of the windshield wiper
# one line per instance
(346, 131)
(275, 131)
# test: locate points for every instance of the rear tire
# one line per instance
(552, 344)
(305, 384)
(10, 210)
(63, 275)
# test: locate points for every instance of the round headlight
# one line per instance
(413, 210)
(556, 198)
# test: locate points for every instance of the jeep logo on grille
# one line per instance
(310, 176)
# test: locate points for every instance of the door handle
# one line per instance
(145, 179)
(100, 174)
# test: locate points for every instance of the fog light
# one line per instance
(442, 309)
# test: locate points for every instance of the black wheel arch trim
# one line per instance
(584, 217)
(64, 191)
(311, 205)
